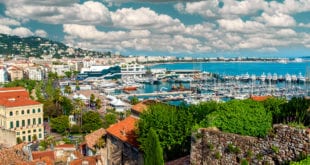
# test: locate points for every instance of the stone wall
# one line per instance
(7, 137)
(283, 144)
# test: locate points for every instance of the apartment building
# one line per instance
(21, 114)
(3, 75)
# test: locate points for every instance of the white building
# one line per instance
(60, 69)
(35, 73)
(3, 75)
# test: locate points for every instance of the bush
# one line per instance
(75, 129)
(302, 162)
(244, 117)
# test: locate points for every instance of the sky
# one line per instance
(209, 28)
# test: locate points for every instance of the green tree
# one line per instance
(245, 117)
(91, 121)
(68, 74)
(67, 105)
(153, 153)
(98, 103)
(274, 105)
(296, 110)
(134, 100)
(173, 126)
(92, 99)
(67, 89)
(60, 124)
(109, 118)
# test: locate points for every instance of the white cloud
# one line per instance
(87, 13)
(240, 25)
(41, 33)
(277, 20)
(9, 21)
(19, 31)
(142, 18)
(307, 25)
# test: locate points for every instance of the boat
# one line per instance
(130, 88)
(245, 77)
(301, 78)
(288, 77)
(269, 76)
(294, 77)
(275, 77)
(262, 77)
(253, 77)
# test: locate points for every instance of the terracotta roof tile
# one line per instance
(260, 98)
(92, 138)
(14, 97)
(92, 160)
(65, 146)
(125, 130)
(141, 106)
(13, 154)
(42, 154)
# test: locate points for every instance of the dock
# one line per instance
(155, 94)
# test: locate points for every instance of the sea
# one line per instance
(239, 68)
(229, 69)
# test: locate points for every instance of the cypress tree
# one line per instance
(153, 153)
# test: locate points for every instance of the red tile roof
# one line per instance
(15, 97)
(65, 146)
(43, 154)
(141, 106)
(260, 98)
(92, 138)
(13, 154)
(125, 130)
(92, 160)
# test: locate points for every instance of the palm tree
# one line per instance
(77, 112)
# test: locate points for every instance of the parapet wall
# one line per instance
(7, 137)
(283, 144)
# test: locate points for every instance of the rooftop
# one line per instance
(260, 98)
(92, 138)
(125, 130)
(15, 96)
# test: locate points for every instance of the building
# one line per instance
(35, 73)
(21, 114)
(122, 145)
(60, 69)
(3, 75)
(15, 73)
(95, 72)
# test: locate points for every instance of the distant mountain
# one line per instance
(38, 46)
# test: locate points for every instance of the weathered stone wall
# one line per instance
(284, 143)
(7, 137)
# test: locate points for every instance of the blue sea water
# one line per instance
(238, 68)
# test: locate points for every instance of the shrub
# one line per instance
(245, 117)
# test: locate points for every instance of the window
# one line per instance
(17, 123)
(11, 113)
(40, 135)
(29, 131)
(39, 120)
(33, 111)
(24, 138)
(34, 130)
(23, 123)
(34, 121)
(11, 124)
(39, 110)
(16, 113)
(28, 122)
(23, 112)
(40, 130)
(17, 133)
(29, 138)
(24, 132)
(28, 111)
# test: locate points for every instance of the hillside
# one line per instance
(38, 46)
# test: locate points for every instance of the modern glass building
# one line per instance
(106, 72)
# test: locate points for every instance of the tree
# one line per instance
(19, 140)
(109, 118)
(67, 105)
(98, 103)
(244, 117)
(91, 121)
(134, 100)
(92, 99)
(173, 126)
(34, 137)
(274, 105)
(153, 153)
(296, 110)
(60, 124)
(67, 89)
(68, 74)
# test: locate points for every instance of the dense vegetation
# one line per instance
(246, 117)
(153, 153)
(302, 162)
(173, 126)
(241, 117)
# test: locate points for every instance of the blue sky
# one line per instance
(166, 27)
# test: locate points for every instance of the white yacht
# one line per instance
(262, 77)
(301, 78)
(288, 77)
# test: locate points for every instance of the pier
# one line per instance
(155, 94)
